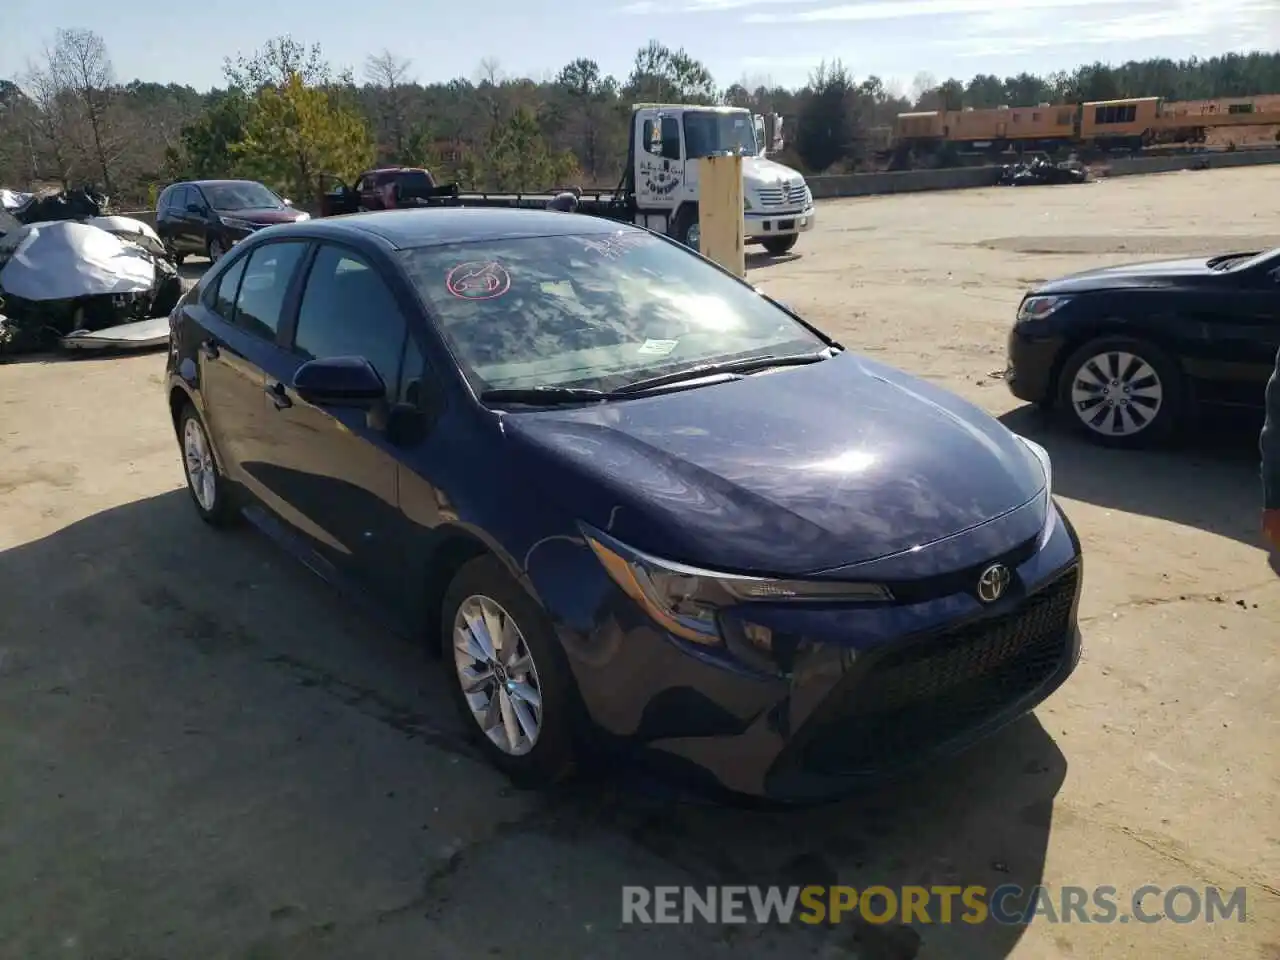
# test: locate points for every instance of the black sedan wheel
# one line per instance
(509, 676)
(1121, 391)
(205, 482)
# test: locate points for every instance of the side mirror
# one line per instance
(195, 208)
(288, 202)
(339, 382)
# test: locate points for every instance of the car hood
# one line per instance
(795, 471)
(763, 172)
(263, 215)
(1159, 273)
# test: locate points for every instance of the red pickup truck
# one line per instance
(385, 188)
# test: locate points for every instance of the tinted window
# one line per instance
(224, 298)
(266, 281)
(242, 195)
(347, 311)
(414, 179)
(594, 310)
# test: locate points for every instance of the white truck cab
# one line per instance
(667, 140)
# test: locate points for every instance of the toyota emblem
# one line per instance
(993, 582)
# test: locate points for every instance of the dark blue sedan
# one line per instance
(635, 503)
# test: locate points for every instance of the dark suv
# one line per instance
(207, 217)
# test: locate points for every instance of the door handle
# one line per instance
(276, 391)
(209, 349)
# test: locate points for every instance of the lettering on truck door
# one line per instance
(659, 171)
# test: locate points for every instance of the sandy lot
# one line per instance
(204, 754)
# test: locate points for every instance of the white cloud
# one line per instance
(888, 10)
(1217, 28)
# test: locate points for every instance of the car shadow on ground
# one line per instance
(1210, 479)
(759, 259)
(141, 615)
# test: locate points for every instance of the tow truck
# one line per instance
(659, 187)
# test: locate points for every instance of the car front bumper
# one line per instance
(1031, 364)
(869, 694)
(762, 226)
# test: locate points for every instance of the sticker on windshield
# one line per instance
(656, 348)
(615, 245)
(478, 280)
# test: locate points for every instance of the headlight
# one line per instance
(236, 224)
(685, 600)
(1034, 308)
(1046, 464)
(303, 215)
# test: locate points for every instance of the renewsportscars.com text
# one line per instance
(1009, 904)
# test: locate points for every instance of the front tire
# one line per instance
(777, 246)
(508, 674)
(687, 229)
(1121, 392)
(208, 488)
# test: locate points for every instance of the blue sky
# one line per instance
(777, 40)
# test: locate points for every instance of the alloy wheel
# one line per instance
(201, 470)
(1117, 393)
(497, 675)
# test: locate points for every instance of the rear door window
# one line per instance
(267, 274)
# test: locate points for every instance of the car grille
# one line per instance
(789, 195)
(921, 697)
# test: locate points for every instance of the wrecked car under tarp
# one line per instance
(68, 281)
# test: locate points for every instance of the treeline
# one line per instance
(287, 117)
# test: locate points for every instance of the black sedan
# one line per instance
(634, 503)
(1127, 354)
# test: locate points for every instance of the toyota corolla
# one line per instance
(633, 502)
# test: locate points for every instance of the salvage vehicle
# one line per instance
(599, 474)
(208, 217)
(659, 186)
(1128, 354)
(385, 188)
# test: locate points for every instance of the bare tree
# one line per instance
(51, 118)
(390, 75)
(489, 71)
(81, 67)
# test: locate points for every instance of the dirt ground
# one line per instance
(204, 754)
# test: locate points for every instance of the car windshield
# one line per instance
(595, 310)
(241, 196)
(708, 132)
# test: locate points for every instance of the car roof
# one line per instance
(434, 226)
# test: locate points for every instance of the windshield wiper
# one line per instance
(1224, 261)
(744, 365)
(542, 396)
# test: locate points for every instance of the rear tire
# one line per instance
(215, 249)
(777, 246)
(518, 700)
(209, 490)
(1121, 392)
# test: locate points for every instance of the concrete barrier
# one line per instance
(1134, 166)
(904, 181)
